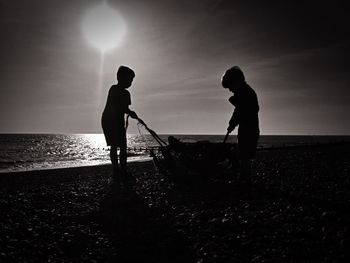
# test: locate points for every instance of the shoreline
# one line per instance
(148, 159)
(145, 159)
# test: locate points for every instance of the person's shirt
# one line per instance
(246, 111)
(117, 104)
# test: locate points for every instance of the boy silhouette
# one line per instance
(245, 116)
(113, 121)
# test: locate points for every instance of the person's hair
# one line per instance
(125, 72)
(234, 74)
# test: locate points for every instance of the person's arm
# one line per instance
(127, 110)
(234, 120)
(235, 116)
(131, 113)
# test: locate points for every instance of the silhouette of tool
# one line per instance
(226, 137)
(153, 133)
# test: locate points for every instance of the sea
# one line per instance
(25, 152)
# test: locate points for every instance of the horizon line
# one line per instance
(217, 134)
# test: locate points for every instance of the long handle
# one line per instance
(226, 137)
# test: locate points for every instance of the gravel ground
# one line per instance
(297, 211)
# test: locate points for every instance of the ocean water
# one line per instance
(22, 152)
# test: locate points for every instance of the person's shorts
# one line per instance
(115, 135)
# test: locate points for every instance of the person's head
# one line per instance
(233, 79)
(125, 76)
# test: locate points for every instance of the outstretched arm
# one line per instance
(131, 113)
(233, 121)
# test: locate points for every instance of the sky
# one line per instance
(55, 76)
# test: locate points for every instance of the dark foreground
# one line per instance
(297, 211)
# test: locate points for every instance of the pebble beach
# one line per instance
(296, 211)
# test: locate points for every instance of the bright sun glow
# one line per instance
(103, 27)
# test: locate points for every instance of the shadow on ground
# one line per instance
(138, 232)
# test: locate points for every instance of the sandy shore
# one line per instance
(297, 211)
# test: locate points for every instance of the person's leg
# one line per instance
(248, 158)
(244, 152)
(122, 153)
(114, 160)
(123, 158)
(245, 170)
(123, 164)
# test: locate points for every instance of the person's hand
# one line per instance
(230, 129)
(233, 100)
(133, 115)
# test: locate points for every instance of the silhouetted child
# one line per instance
(245, 116)
(113, 121)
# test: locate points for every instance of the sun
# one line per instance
(103, 27)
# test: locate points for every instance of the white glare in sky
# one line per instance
(103, 27)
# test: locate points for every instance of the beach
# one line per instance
(296, 211)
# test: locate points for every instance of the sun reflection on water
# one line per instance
(95, 140)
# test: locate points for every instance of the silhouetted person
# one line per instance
(113, 121)
(245, 116)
